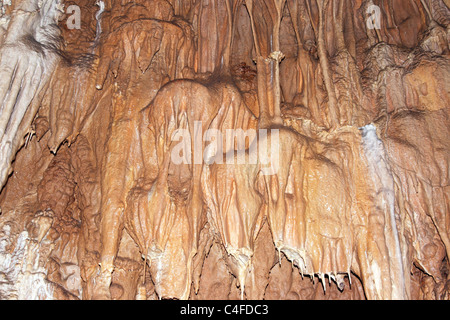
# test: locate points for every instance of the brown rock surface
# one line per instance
(228, 149)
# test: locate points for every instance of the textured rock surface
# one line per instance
(114, 147)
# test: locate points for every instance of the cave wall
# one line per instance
(92, 207)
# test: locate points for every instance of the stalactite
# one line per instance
(338, 18)
(26, 66)
(268, 60)
(325, 65)
(129, 168)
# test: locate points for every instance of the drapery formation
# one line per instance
(113, 137)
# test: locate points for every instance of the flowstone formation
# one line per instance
(227, 149)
